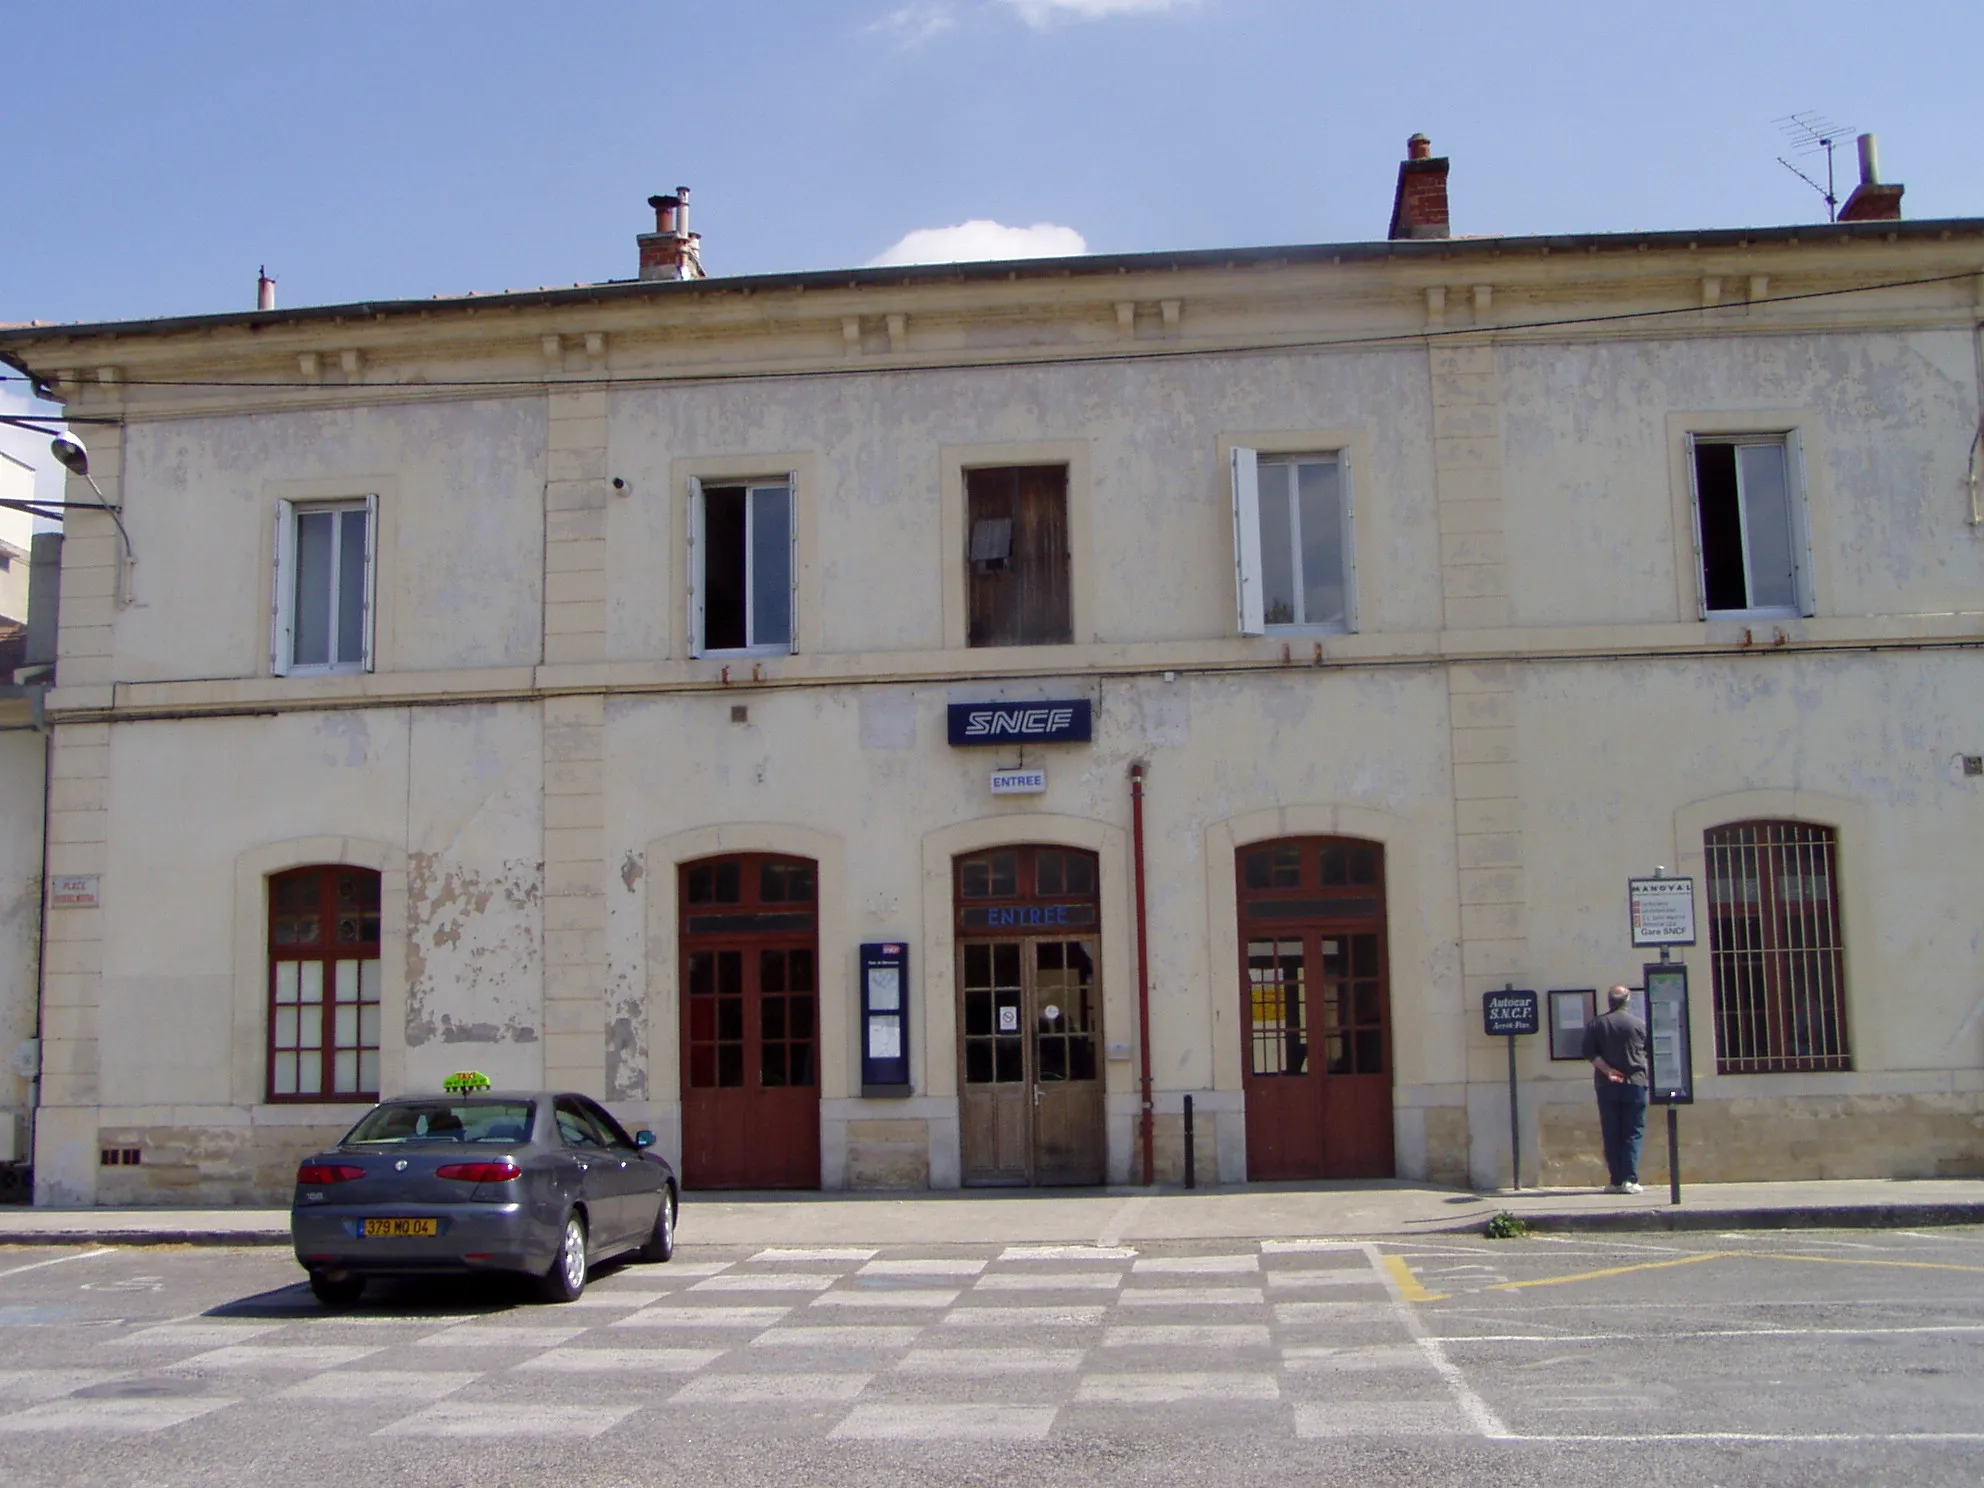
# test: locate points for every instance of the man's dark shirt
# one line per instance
(1619, 1039)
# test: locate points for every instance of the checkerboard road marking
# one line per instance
(766, 1281)
(111, 1416)
(1210, 1265)
(1171, 1389)
(481, 1420)
(991, 1361)
(903, 1421)
(621, 1360)
(760, 1389)
(254, 1356)
(340, 1388)
(704, 1317)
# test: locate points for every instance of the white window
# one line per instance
(743, 567)
(1294, 559)
(324, 563)
(1752, 549)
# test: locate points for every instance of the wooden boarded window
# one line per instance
(1016, 533)
(1776, 949)
(324, 985)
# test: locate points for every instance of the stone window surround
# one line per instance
(384, 489)
(248, 1075)
(1363, 496)
(714, 470)
(1808, 498)
(953, 461)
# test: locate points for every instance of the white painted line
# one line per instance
(110, 1416)
(1306, 1247)
(1121, 1220)
(850, 1336)
(1024, 1317)
(987, 1361)
(922, 1268)
(695, 1268)
(87, 1255)
(1050, 1281)
(824, 1253)
(596, 1298)
(766, 1281)
(1351, 1360)
(1353, 1277)
(1188, 1335)
(1171, 1389)
(643, 1360)
(899, 1421)
(1718, 1333)
(704, 1317)
(757, 1389)
(1211, 1265)
(898, 1299)
(1335, 1313)
(487, 1335)
(1380, 1418)
(26, 1386)
(1784, 1438)
(1068, 1253)
(1191, 1297)
(182, 1335)
(379, 1384)
(488, 1419)
(277, 1356)
(1477, 1411)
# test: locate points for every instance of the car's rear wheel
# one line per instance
(337, 1291)
(661, 1239)
(567, 1276)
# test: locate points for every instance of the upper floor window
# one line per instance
(1016, 527)
(743, 567)
(1292, 543)
(324, 984)
(1777, 956)
(324, 564)
(1749, 526)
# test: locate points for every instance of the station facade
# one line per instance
(567, 686)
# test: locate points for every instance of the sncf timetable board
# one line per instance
(1061, 721)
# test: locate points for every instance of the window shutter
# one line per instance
(695, 590)
(792, 536)
(1801, 518)
(1247, 541)
(1346, 493)
(282, 624)
(371, 577)
(1695, 518)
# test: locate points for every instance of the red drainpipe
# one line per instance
(1143, 967)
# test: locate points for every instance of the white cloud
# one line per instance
(917, 22)
(981, 238)
(1043, 13)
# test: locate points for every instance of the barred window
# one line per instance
(1776, 950)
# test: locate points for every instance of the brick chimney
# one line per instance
(1419, 207)
(671, 251)
(1871, 200)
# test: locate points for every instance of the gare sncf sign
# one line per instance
(1054, 722)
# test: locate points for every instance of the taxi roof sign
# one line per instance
(465, 1082)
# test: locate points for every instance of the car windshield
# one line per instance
(446, 1121)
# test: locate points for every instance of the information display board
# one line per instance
(1570, 1009)
(1670, 1052)
(885, 1019)
(1662, 910)
(1509, 1012)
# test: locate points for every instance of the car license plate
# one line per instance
(396, 1229)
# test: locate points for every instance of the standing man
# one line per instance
(1616, 1046)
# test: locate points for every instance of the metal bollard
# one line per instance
(1191, 1166)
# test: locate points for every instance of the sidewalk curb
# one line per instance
(147, 1237)
(1797, 1217)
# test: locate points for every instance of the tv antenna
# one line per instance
(1810, 134)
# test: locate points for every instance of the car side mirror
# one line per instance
(644, 1138)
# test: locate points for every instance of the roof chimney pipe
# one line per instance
(671, 251)
(1419, 206)
(265, 289)
(1872, 200)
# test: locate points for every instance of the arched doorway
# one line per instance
(1315, 1000)
(1030, 1016)
(750, 1022)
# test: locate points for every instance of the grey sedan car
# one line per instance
(540, 1183)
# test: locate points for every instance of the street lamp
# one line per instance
(73, 456)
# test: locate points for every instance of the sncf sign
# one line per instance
(1054, 722)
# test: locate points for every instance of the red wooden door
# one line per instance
(1315, 1004)
(750, 1024)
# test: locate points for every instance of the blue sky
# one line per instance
(367, 150)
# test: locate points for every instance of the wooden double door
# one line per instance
(1315, 999)
(750, 1023)
(1030, 1047)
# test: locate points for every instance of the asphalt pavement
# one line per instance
(1800, 1357)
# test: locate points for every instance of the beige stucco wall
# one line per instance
(1528, 714)
(21, 769)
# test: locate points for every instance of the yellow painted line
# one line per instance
(1718, 1255)
(1516, 1286)
(1408, 1284)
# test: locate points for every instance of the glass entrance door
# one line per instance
(1032, 1074)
